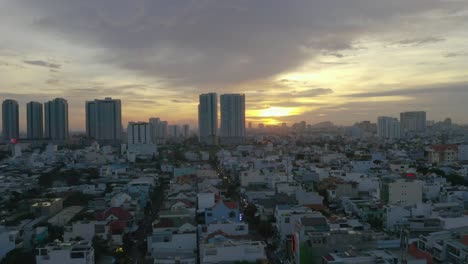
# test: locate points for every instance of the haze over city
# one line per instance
(342, 61)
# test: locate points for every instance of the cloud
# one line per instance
(455, 54)
(207, 42)
(43, 64)
(313, 92)
(418, 41)
(414, 91)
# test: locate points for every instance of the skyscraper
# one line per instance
(34, 120)
(56, 119)
(158, 130)
(388, 127)
(412, 123)
(208, 118)
(186, 130)
(90, 109)
(104, 119)
(10, 120)
(232, 118)
(139, 133)
(155, 123)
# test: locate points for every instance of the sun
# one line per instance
(276, 111)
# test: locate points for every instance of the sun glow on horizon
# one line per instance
(275, 111)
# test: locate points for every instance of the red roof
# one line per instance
(442, 148)
(117, 226)
(118, 212)
(231, 205)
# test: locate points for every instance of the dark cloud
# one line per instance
(455, 54)
(313, 92)
(207, 42)
(414, 91)
(43, 64)
(419, 41)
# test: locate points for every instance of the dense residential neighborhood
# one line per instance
(300, 194)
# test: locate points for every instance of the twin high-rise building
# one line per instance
(56, 119)
(232, 118)
(34, 120)
(208, 118)
(104, 119)
(10, 120)
(159, 130)
(413, 123)
(139, 133)
(388, 127)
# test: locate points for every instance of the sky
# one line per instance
(313, 60)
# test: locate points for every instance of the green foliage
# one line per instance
(77, 198)
(19, 256)
(456, 179)
(100, 247)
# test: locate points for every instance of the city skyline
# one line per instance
(194, 124)
(330, 60)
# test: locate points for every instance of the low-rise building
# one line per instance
(66, 252)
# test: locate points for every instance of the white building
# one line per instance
(66, 252)
(208, 118)
(167, 247)
(86, 230)
(230, 251)
(287, 216)
(56, 119)
(405, 192)
(232, 118)
(104, 119)
(140, 141)
(388, 127)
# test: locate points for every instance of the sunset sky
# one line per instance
(312, 60)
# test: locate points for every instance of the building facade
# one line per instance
(56, 119)
(412, 123)
(104, 119)
(388, 127)
(208, 118)
(232, 118)
(35, 120)
(10, 120)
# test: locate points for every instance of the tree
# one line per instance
(18, 256)
(265, 229)
(100, 247)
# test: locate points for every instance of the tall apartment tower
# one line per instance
(56, 119)
(232, 118)
(186, 130)
(139, 133)
(388, 127)
(208, 118)
(34, 120)
(104, 119)
(412, 123)
(159, 130)
(10, 120)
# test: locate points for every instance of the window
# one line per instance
(209, 214)
(211, 252)
(232, 214)
(75, 255)
(240, 228)
(286, 220)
